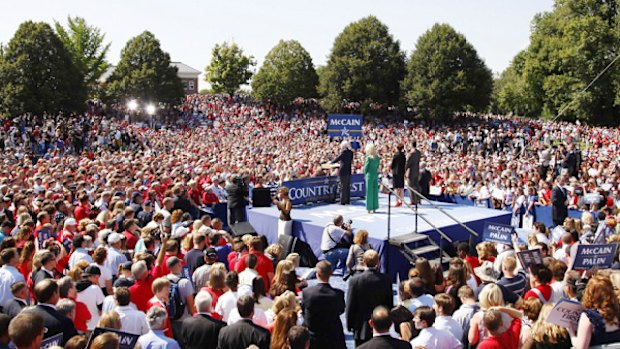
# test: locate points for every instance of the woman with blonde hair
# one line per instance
(371, 176)
(545, 334)
(287, 300)
(284, 321)
(111, 320)
(284, 279)
(107, 340)
(490, 296)
(284, 205)
(599, 322)
(356, 251)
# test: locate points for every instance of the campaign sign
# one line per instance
(565, 313)
(344, 125)
(601, 256)
(186, 272)
(55, 340)
(125, 340)
(319, 189)
(529, 258)
(498, 233)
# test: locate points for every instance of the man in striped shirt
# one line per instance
(515, 282)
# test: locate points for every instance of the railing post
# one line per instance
(441, 251)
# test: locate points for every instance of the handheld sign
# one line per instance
(498, 233)
(186, 272)
(589, 256)
(565, 313)
(529, 258)
(125, 340)
(55, 340)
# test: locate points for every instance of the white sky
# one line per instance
(188, 29)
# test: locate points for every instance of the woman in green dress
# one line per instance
(371, 175)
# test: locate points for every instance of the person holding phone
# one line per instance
(284, 205)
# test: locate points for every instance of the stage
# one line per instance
(309, 222)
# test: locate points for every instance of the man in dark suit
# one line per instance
(244, 333)
(559, 209)
(425, 180)
(202, 330)
(322, 307)
(380, 323)
(398, 173)
(345, 159)
(237, 193)
(413, 171)
(46, 293)
(367, 291)
(48, 263)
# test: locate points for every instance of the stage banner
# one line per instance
(344, 125)
(498, 233)
(589, 256)
(322, 189)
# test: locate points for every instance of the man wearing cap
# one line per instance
(200, 276)
(186, 291)
(90, 294)
(115, 256)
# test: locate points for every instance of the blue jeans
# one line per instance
(338, 258)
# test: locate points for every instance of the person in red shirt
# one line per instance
(540, 277)
(161, 291)
(508, 339)
(264, 265)
(131, 233)
(172, 249)
(209, 198)
(83, 210)
(141, 291)
(66, 289)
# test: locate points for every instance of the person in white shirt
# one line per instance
(258, 318)
(332, 236)
(105, 281)
(90, 294)
(419, 297)
(115, 257)
(80, 253)
(558, 269)
(247, 276)
(228, 301)
(132, 320)
(444, 306)
(431, 337)
(467, 310)
(9, 274)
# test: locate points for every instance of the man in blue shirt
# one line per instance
(155, 338)
(9, 274)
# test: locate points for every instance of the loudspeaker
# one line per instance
(261, 197)
(292, 244)
(242, 228)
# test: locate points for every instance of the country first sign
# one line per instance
(344, 125)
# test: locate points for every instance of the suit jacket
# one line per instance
(559, 210)
(201, 331)
(366, 291)
(413, 165)
(322, 306)
(385, 342)
(398, 164)
(242, 334)
(345, 159)
(40, 275)
(55, 322)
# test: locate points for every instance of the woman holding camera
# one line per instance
(284, 204)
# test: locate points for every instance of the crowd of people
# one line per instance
(103, 225)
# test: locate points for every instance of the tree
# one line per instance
(365, 65)
(37, 74)
(229, 68)
(286, 73)
(445, 74)
(569, 47)
(144, 72)
(85, 45)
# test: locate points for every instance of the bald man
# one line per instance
(367, 290)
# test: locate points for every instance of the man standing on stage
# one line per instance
(344, 173)
(398, 174)
(413, 172)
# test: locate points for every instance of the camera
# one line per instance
(347, 224)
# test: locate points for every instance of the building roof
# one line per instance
(184, 71)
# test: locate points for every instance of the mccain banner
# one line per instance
(344, 126)
(322, 189)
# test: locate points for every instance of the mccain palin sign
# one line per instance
(344, 126)
(319, 189)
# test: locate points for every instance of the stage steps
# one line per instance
(413, 246)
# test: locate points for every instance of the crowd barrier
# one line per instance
(541, 213)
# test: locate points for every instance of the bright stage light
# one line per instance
(132, 105)
(150, 109)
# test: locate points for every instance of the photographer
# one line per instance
(335, 242)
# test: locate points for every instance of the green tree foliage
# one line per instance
(37, 74)
(229, 68)
(569, 47)
(287, 73)
(144, 72)
(366, 65)
(445, 74)
(87, 49)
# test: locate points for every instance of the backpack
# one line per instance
(176, 303)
